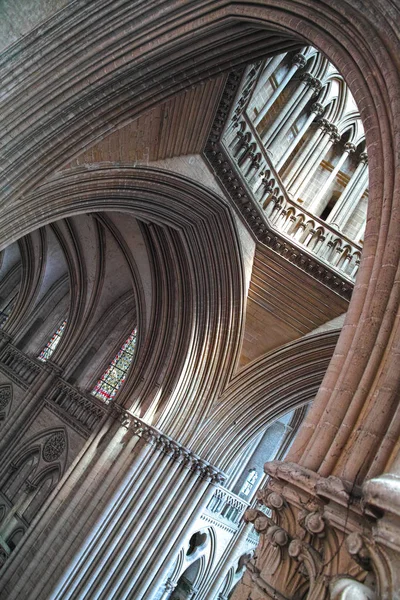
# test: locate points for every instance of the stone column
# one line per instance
(327, 137)
(192, 507)
(169, 587)
(316, 111)
(295, 169)
(313, 86)
(109, 514)
(285, 116)
(269, 69)
(351, 194)
(315, 204)
(298, 62)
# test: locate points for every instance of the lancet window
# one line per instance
(52, 344)
(115, 375)
(249, 483)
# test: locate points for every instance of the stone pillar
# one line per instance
(285, 116)
(313, 86)
(269, 69)
(169, 587)
(192, 508)
(327, 137)
(316, 111)
(109, 514)
(351, 194)
(298, 63)
(294, 171)
(316, 206)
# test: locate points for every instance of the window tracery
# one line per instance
(115, 375)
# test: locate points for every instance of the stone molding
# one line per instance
(167, 445)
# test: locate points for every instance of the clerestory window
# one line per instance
(53, 342)
(114, 376)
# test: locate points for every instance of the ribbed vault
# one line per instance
(188, 351)
(155, 53)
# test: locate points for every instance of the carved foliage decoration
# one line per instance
(5, 400)
(300, 553)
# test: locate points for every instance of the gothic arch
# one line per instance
(362, 52)
(193, 230)
(266, 389)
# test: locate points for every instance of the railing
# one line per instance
(25, 369)
(242, 144)
(83, 412)
(227, 505)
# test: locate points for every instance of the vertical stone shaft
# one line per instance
(298, 62)
(316, 205)
(347, 198)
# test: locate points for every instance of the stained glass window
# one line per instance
(52, 343)
(115, 375)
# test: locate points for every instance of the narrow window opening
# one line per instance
(115, 375)
(52, 344)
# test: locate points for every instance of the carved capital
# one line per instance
(335, 135)
(349, 147)
(317, 108)
(299, 60)
(358, 550)
(325, 125)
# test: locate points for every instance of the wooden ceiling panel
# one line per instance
(177, 127)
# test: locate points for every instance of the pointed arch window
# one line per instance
(115, 375)
(53, 342)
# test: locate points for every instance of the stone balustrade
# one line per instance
(226, 505)
(82, 412)
(280, 213)
(18, 366)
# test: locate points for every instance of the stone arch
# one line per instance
(276, 383)
(191, 217)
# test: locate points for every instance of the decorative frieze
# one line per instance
(16, 365)
(82, 413)
(227, 506)
(167, 445)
